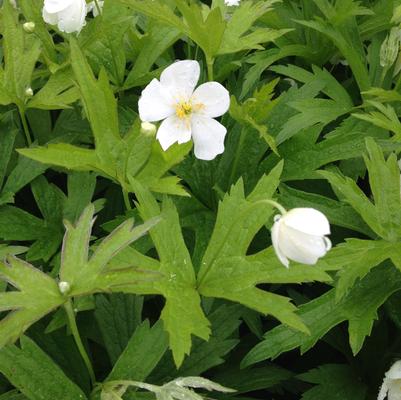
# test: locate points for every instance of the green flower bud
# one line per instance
(390, 48)
(148, 129)
(29, 27)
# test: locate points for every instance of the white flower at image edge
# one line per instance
(68, 15)
(232, 2)
(299, 235)
(186, 112)
(391, 387)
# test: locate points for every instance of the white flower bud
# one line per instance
(148, 129)
(391, 386)
(29, 27)
(390, 48)
(68, 15)
(29, 92)
(299, 235)
(14, 3)
(64, 287)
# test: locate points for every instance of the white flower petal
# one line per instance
(301, 247)
(276, 245)
(181, 78)
(208, 136)
(173, 130)
(214, 97)
(155, 103)
(72, 18)
(308, 220)
(49, 18)
(383, 391)
(394, 389)
(55, 6)
(395, 371)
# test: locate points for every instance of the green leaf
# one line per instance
(142, 353)
(254, 112)
(100, 106)
(32, 10)
(242, 33)
(157, 40)
(333, 382)
(34, 373)
(182, 315)
(227, 272)
(58, 93)
(253, 379)
(349, 44)
(118, 316)
(36, 295)
(338, 213)
(81, 187)
(385, 118)
(323, 313)
(384, 217)
(7, 140)
(225, 321)
(21, 51)
(13, 395)
(93, 275)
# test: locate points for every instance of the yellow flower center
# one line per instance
(183, 109)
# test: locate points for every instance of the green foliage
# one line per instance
(34, 373)
(101, 308)
(334, 381)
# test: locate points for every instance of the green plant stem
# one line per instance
(74, 330)
(126, 200)
(25, 126)
(209, 63)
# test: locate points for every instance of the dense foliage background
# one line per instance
(313, 122)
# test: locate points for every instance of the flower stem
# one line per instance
(25, 125)
(126, 200)
(74, 330)
(209, 63)
(276, 205)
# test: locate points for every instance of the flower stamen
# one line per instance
(183, 109)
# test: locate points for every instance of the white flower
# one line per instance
(14, 3)
(232, 2)
(391, 387)
(186, 113)
(299, 235)
(68, 15)
(91, 7)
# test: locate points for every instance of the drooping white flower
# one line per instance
(232, 2)
(391, 387)
(68, 15)
(186, 112)
(91, 7)
(299, 235)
